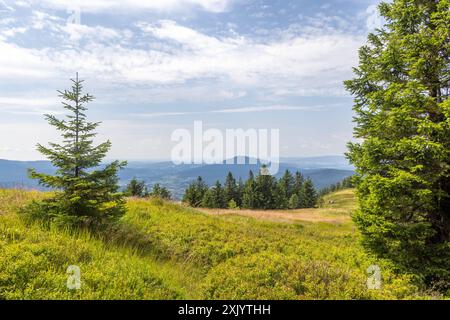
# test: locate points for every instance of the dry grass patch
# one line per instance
(336, 209)
(309, 215)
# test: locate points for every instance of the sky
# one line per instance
(156, 66)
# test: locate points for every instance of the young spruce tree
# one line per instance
(308, 195)
(160, 192)
(230, 188)
(195, 193)
(402, 106)
(87, 193)
(136, 188)
(266, 191)
(249, 197)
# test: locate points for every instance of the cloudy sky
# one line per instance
(155, 66)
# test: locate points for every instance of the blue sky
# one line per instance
(158, 65)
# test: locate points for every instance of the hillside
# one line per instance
(165, 251)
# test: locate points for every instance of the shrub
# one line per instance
(232, 204)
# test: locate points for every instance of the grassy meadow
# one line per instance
(162, 250)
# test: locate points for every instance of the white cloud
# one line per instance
(30, 105)
(77, 32)
(169, 67)
(166, 61)
(292, 64)
(272, 108)
(41, 20)
(190, 38)
(11, 32)
(5, 7)
(127, 5)
(161, 114)
(268, 108)
(19, 62)
(299, 59)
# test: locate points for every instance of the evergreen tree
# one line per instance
(298, 183)
(266, 186)
(189, 195)
(136, 188)
(208, 199)
(294, 201)
(232, 204)
(347, 183)
(195, 192)
(240, 192)
(288, 184)
(86, 193)
(230, 188)
(401, 90)
(160, 192)
(219, 196)
(281, 195)
(249, 195)
(285, 189)
(308, 195)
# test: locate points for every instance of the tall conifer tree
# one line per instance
(219, 196)
(285, 189)
(266, 188)
(401, 90)
(86, 191)
(249, 196)
(298, 182)
(195, 193)
(308, 195)
(230, 188)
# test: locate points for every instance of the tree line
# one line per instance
(138, 188)
(347, 183)
(291, 191)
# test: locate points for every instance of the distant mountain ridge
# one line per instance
(322, 170)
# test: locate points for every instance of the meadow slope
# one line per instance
(162, 250)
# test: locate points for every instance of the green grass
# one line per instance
(164, 251)
(342, 200)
